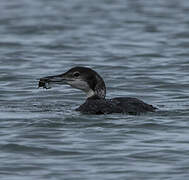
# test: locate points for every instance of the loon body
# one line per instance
(93, 85)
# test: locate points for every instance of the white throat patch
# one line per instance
(82, 85)
(90, 93)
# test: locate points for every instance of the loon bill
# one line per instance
(93, 85)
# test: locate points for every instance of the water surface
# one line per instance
(140, 48)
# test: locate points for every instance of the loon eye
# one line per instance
(76, 74)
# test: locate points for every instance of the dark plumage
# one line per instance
(90, 82)
(127, 105)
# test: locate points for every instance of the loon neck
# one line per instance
(94, 97)
(98, 92)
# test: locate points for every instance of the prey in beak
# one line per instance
(43, 84)
(47, 82)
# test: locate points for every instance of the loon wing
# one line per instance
(99, 106)
(116, 105)
(133, 105)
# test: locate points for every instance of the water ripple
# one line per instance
(141, 50)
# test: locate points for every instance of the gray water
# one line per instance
(140, 48)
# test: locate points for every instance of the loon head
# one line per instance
(82, 78)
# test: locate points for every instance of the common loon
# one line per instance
(93, 85)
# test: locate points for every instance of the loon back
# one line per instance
(126, 105)
(92, 84)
